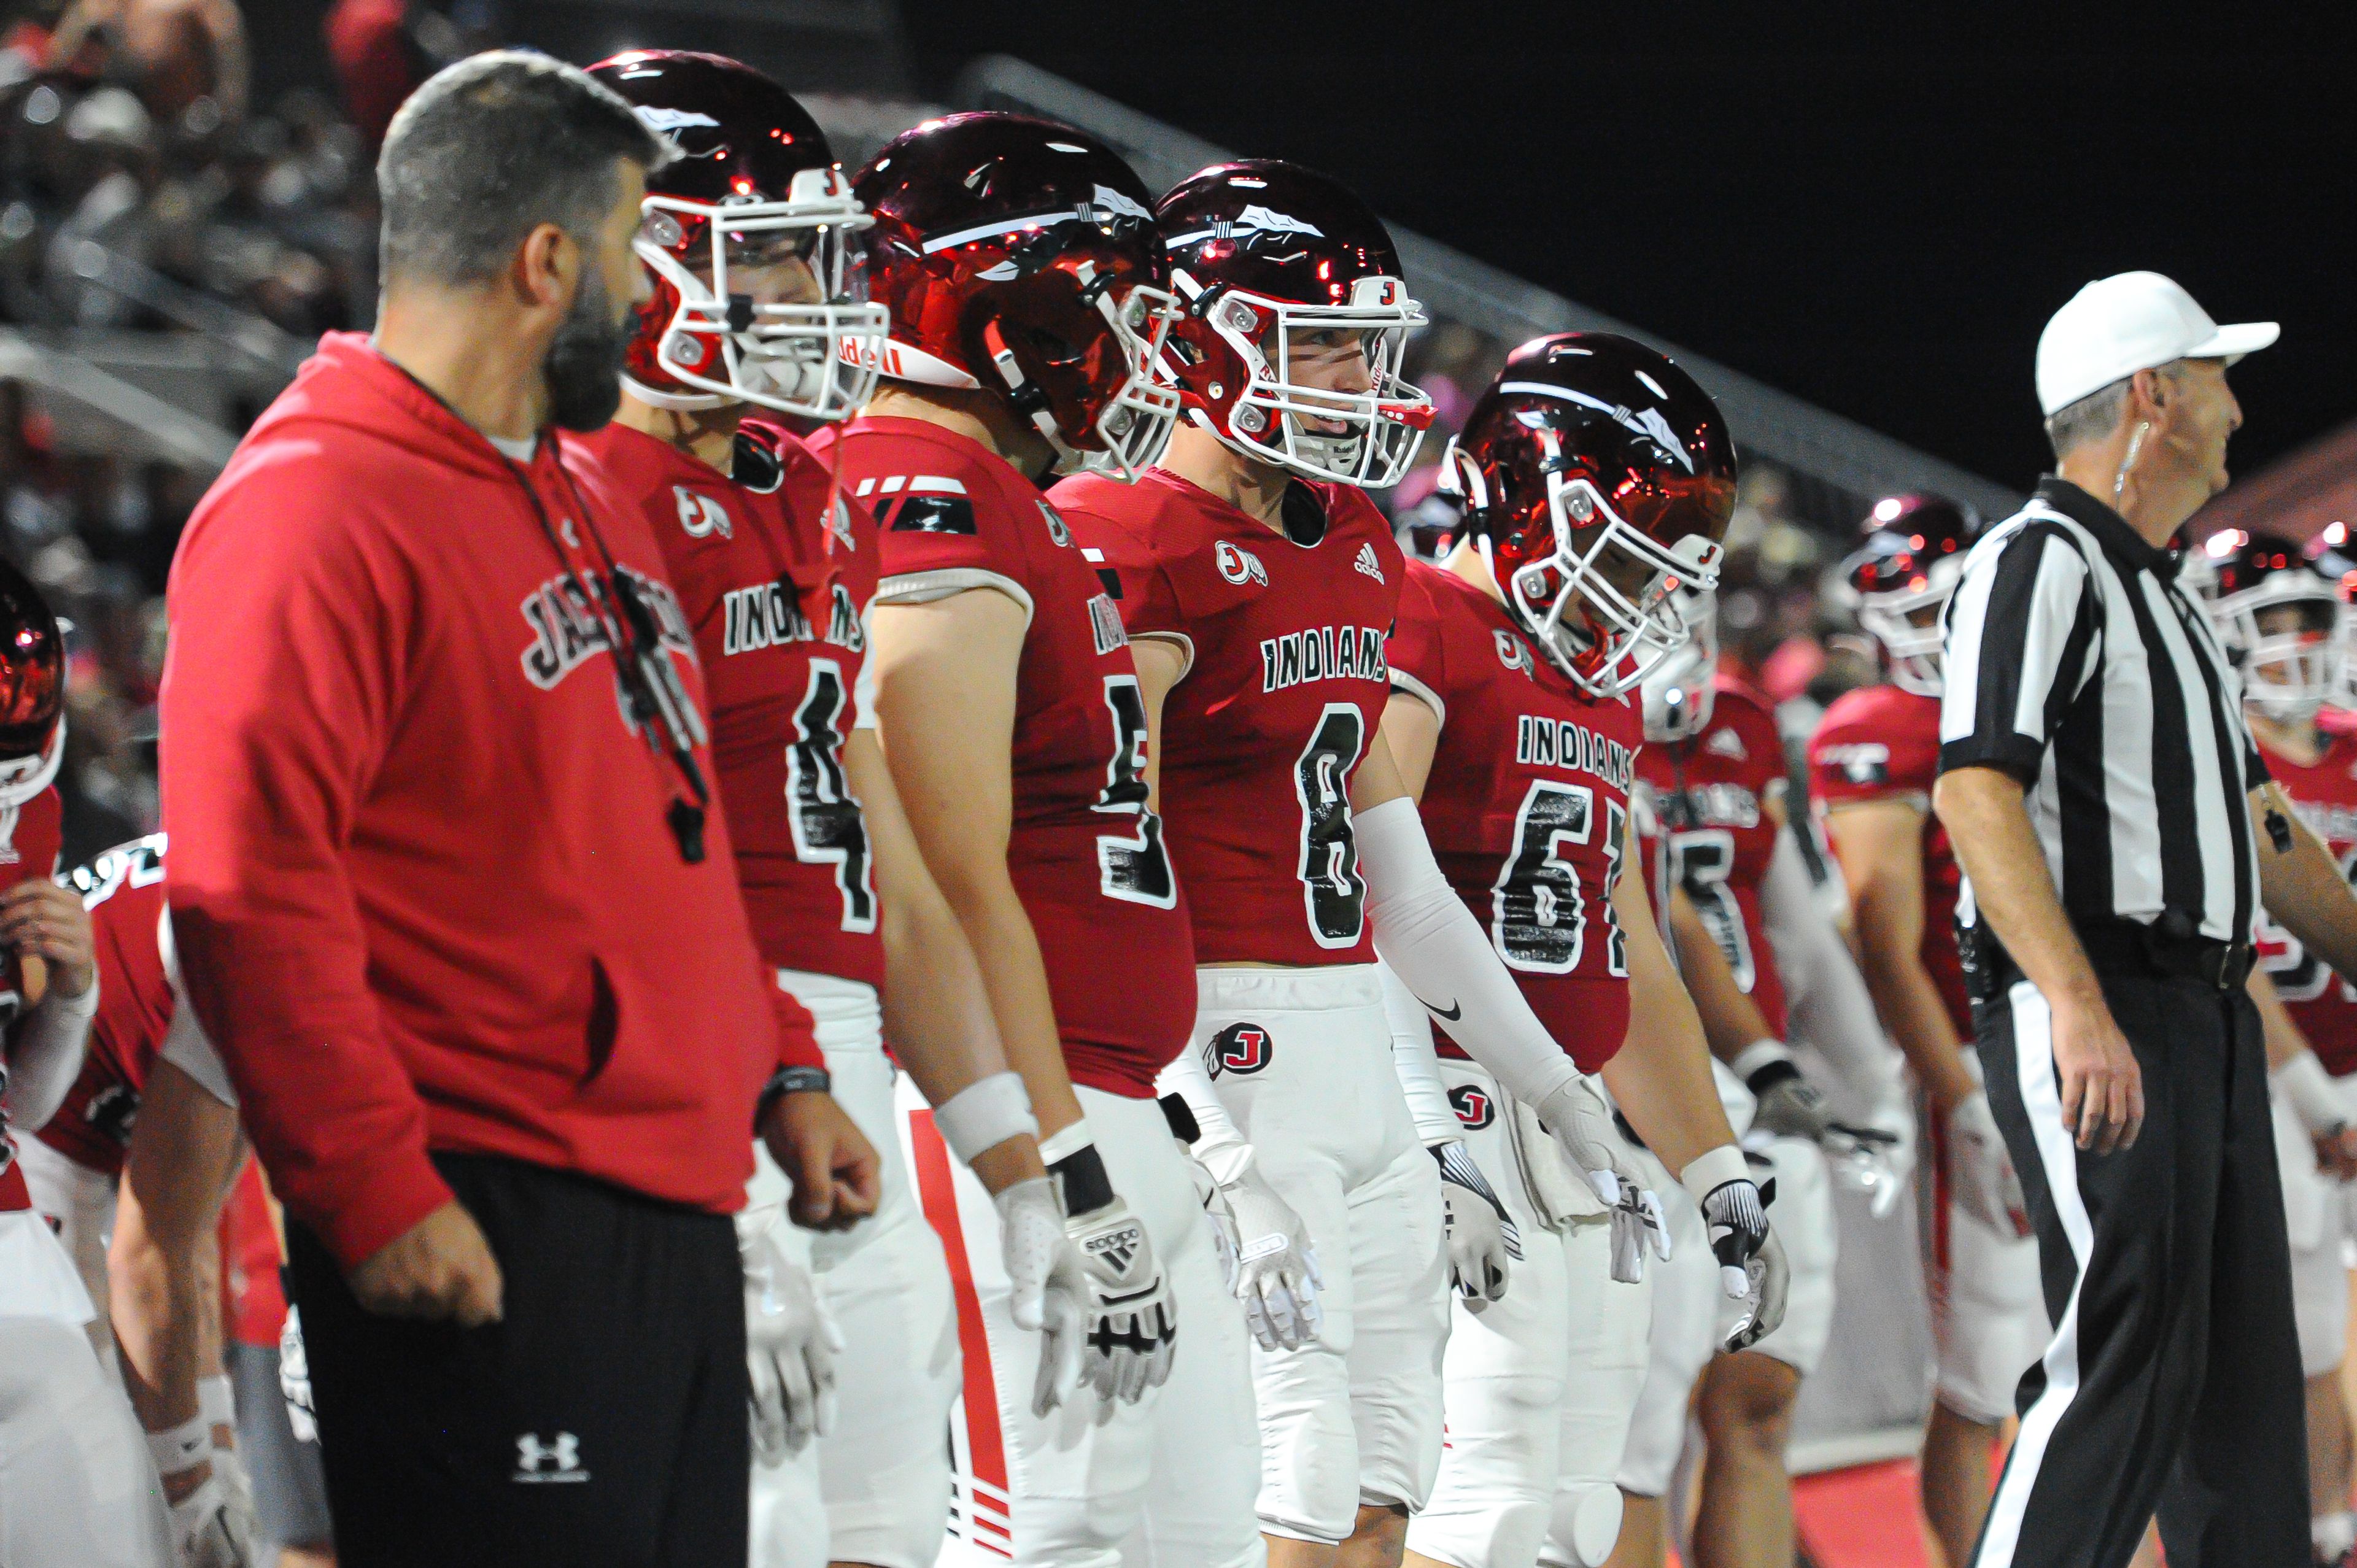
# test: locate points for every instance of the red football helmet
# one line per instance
(1910, 558)
(2279, 618)
(751, 233)
(1023, 252)
(1598, 479)
(1264, 254)
(32, 690)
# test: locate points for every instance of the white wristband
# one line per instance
(216, 1401)
(184, 1447)
(1758, 1054)
(1713, 1169)
(983, 1114)
(1064, 1144)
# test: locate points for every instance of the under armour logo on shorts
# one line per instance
(554, 1461)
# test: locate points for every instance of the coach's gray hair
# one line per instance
(2097, 415)
(491, 148)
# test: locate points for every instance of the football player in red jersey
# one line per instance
(1259, 583)
(1021, 264)
(133, 1170)
(2282, 621)
(1872, 765)
(77, 1488)
(1743, 914)
(1512, 719)
(749, 238)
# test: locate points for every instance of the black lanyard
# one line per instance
(655, 702)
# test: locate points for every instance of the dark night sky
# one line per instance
(1873, 207)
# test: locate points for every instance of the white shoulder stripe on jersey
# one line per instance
(926, 587)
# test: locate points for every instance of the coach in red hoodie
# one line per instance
(452, 894)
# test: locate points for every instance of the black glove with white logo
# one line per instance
(1752, 1267)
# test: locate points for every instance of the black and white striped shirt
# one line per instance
(2076, 663)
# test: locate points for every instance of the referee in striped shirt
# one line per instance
(2119, 831)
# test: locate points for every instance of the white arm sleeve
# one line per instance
(1427, 936)
(45, 1056)
(1219, 1144)
(1418, 1067)
(1826, 997)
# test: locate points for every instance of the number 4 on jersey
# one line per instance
(828, 826)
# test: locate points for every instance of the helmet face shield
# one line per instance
(777, 315)
(2291, 644)
(1365, 436)
(1605, 603)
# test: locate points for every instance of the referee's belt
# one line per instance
(2134, 947)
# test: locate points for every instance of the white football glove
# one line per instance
(1982, 1170)
(1048, 1284)
(1133, 1323)
(1752, 1267)
(789, 1346)
(1216, 1213)
(1276, 1267)
(1874, 1159)
(213, 1526)
(1581, 1125)
(1482, 1239)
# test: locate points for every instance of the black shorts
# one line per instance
(602, 1422)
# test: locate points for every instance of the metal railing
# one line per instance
(1825, 451)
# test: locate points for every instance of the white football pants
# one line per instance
(875, 1487)
(1301, 1060)
(1166, 1482)
(1541, 1385)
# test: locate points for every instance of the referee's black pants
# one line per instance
(2172, 1383)
(601, 1424)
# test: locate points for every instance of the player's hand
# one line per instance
(1048, 1284)
(2336, 1154)
(440, 1269)
(1581, 1124)
(1481, 1238)
(1767, 1279)
(1787, 1103)
(1874, 1159)
(789, 1344)
(1983, 1172)
(214, 1527)
(1222, 1219)
(40, 919)
(832, 1165)
(1276, 1267)
(1132, 1322)
(2103, 1087)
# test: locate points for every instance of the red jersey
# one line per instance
(1285, 685)
(1711, 792)
(124, 890)
(775, 574)
(1882, 743)
(1085, 853)
(2321, 1003)
(1527, 805)
(30, 837)
(430, 889)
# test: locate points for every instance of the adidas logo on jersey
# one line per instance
(1368, 563)
(1726, 743)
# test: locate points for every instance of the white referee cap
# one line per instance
(2129, 322)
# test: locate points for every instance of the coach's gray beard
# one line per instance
(584, 367)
